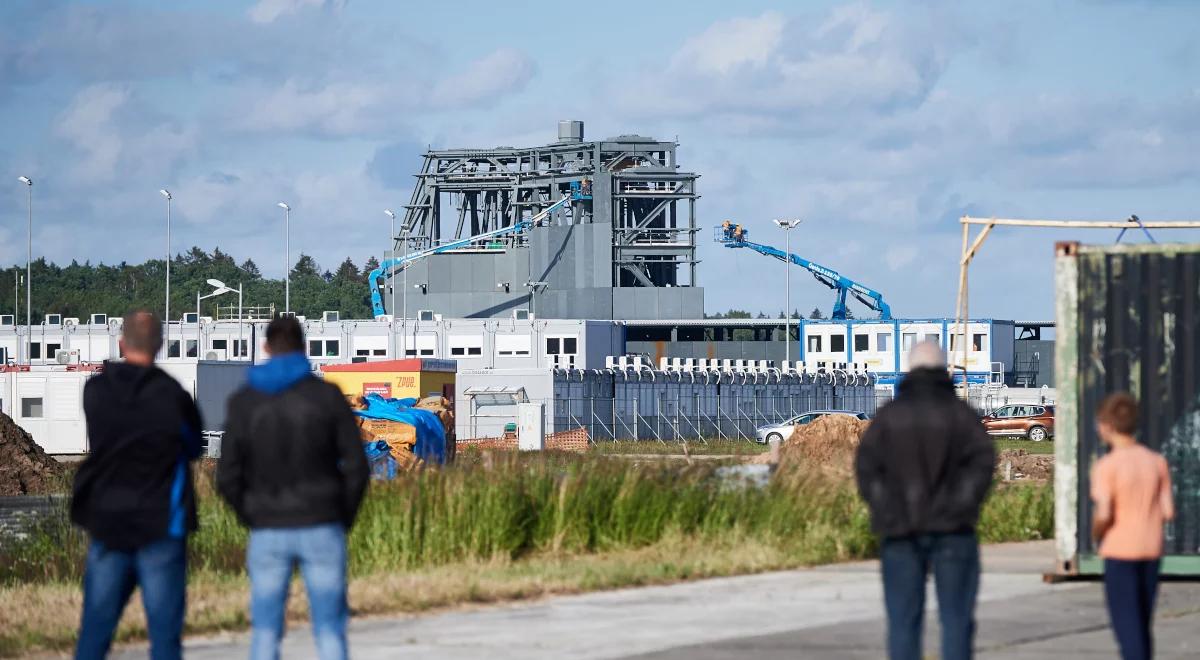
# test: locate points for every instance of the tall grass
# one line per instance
(509, 507)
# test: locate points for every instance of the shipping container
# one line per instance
(1128, 320)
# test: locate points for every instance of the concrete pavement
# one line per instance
(826, 612)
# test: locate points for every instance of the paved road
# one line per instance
(828, 612)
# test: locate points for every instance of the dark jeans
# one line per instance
(954, 560)
(272, 555)
(160, 569)
(1130, 587)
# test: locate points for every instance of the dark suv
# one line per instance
(1034, 422)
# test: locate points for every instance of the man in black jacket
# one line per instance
(133, 493)
(924, 468)
(293, 468)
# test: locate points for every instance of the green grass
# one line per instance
(1046, 447)
(497, 527)
(713, 447)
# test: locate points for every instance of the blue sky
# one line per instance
(878, 123)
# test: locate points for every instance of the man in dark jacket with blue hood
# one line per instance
(133, 493)
(293, 468)
(924, 468)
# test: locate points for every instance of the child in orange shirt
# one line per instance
(1131, 488)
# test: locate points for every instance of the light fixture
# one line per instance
(164, 192)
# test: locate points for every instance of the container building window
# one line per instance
(882, 341)
(814, 344)
(979, 341)
(324, 348)
(837, 343)
(907, 340)
(31, 407)
(862, 342)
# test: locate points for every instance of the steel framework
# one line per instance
(630, 181)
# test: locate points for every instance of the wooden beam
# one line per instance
(1082, 224)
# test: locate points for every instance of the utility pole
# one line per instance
(167, 307)
(287, 257)
(788, 226)
(28, 269)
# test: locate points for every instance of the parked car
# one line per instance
(1034, 422)
(781, 431)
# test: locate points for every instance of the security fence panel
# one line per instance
(676, 406)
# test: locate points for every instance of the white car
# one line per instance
(783, 430)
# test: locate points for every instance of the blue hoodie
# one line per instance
(279, 373)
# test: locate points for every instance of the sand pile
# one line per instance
(829, 442)
(24, 467)
(1037, 467)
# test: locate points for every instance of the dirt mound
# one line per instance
(1036, 467)
(830, 442)
(24, 467)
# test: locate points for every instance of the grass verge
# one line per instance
(1027, 445)
(505, 527)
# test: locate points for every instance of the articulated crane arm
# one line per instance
(390, 266)
(734, 236)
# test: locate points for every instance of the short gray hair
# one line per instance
(926, 355)
(142, 332)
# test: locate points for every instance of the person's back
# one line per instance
(293, 469)
(133, 493)
(1136, 480)
(1131, 488)
(924, 467)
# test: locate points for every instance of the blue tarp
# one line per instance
(379, 457)
(431, 437)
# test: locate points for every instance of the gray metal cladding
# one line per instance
(1139, 331)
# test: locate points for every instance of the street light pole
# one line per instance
(287, 257)
(167, 308)
(28, 267)
(787, 226)
(392, 281)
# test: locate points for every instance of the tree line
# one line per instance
(80, 290)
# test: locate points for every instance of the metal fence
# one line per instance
(696, 418)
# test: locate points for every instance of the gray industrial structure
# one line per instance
(624, 248)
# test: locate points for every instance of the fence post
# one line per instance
(637, 424)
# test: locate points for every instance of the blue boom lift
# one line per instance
(734, 236)
(396, 265)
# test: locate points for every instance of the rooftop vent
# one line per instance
(570, 130)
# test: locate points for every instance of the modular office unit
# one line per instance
(1128, 320)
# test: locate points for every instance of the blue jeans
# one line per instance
(954, 559)
(320, 552)
(160, 569)
(1130, 588)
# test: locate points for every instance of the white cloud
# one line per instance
(730, 45)
(267, 11)
(340, 108)
(899, 256)
(500, 72)
(855, 62)
(87, 125)
(115, 136)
